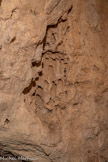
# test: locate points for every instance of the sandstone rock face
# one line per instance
(54, 80)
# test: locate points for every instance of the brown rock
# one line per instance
(53, 80)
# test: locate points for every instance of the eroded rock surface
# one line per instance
(54, 80)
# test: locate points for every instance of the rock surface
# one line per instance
(54, 80)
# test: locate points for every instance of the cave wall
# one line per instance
(53, 79)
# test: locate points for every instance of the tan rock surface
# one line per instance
(54, 80)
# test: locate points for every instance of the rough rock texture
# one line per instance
(54, 80)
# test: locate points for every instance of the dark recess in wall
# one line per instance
(0, 2)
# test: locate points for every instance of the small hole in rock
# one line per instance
(34, 63)
(33, 94)
(37, 78)
(7, 121)
(39, 87)
(64, 70)
(40, 73)
(13, 39)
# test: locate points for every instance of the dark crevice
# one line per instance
(42, 65)
(0, 46)
(33, 94)
(37, 78)
(53, 25)
(13, 39)
(44, 41)
(60, 20)
(0, 2)
(53, 52)
(75, 104)
(70, 10)
(35, 64)
(40, 87)
(27, 89)
(40, 73)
